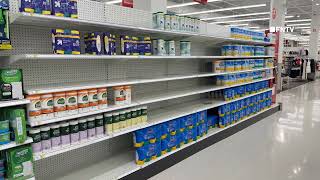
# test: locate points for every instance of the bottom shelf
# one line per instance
(123, 166)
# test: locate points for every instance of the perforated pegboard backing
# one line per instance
(59, 165)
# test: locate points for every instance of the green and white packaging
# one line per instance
(20, 163)
(18, 123)
(11, 84)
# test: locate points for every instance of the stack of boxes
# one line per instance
(154, 141)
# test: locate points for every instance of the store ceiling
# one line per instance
(298, 9)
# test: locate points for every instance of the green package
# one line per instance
(20, 163)
(11, 84)
(18, 123)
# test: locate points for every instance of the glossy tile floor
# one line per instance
(283, 146)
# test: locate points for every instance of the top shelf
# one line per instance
(63, 22)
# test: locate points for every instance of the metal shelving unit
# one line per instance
(155, 117)
(171, 86)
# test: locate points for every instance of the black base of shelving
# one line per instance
(179, 156)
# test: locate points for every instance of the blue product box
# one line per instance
(72, 8)
(189, 135)
(202, 130)
(27, 6)
(170, 143)
(57, 41)
(93, 43)
(170, 128)
(202, 117)
(148, 152)
(59, 7)
(147, 135)
(71, 42)
(188, 122)
(42, 7)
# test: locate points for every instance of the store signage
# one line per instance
(127, 3)
(201, 1)
(274, 29)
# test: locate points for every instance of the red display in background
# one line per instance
(127, 3)
(201, 1)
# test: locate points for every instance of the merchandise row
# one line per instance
(60, 104)
(68, 42)
(61, 8)
(220, 66)
(74, 132)
(235, 111)
(243, 50)
(238, 78)
(240, 91)
(154, 141)
(245, 34)
(173, 22)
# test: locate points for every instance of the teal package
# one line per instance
(148, 152)
(170, 128)
(188, 122)
(170, 143)
(146, 136)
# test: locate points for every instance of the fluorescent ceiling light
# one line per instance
(233, 16)
(237, 25)
(255, 27)
(306, 27)
(304, 24)
(187, 4)
(298, 20)
(287, 17)
(114, 2)
(223, 9)
(242, 20)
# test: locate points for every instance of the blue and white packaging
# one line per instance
(172, 142)
(148, 152)
(188, 122)
(170, 128)
(147, 135)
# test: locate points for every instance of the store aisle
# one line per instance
(282, 146)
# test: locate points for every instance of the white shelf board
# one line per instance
(14, 58)
(154, 117)
(173, 94)
(59, 119)
(62, 87)
(63, 22)
(145, 99)
(14, 144)
(124, 164)
(13, 103)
